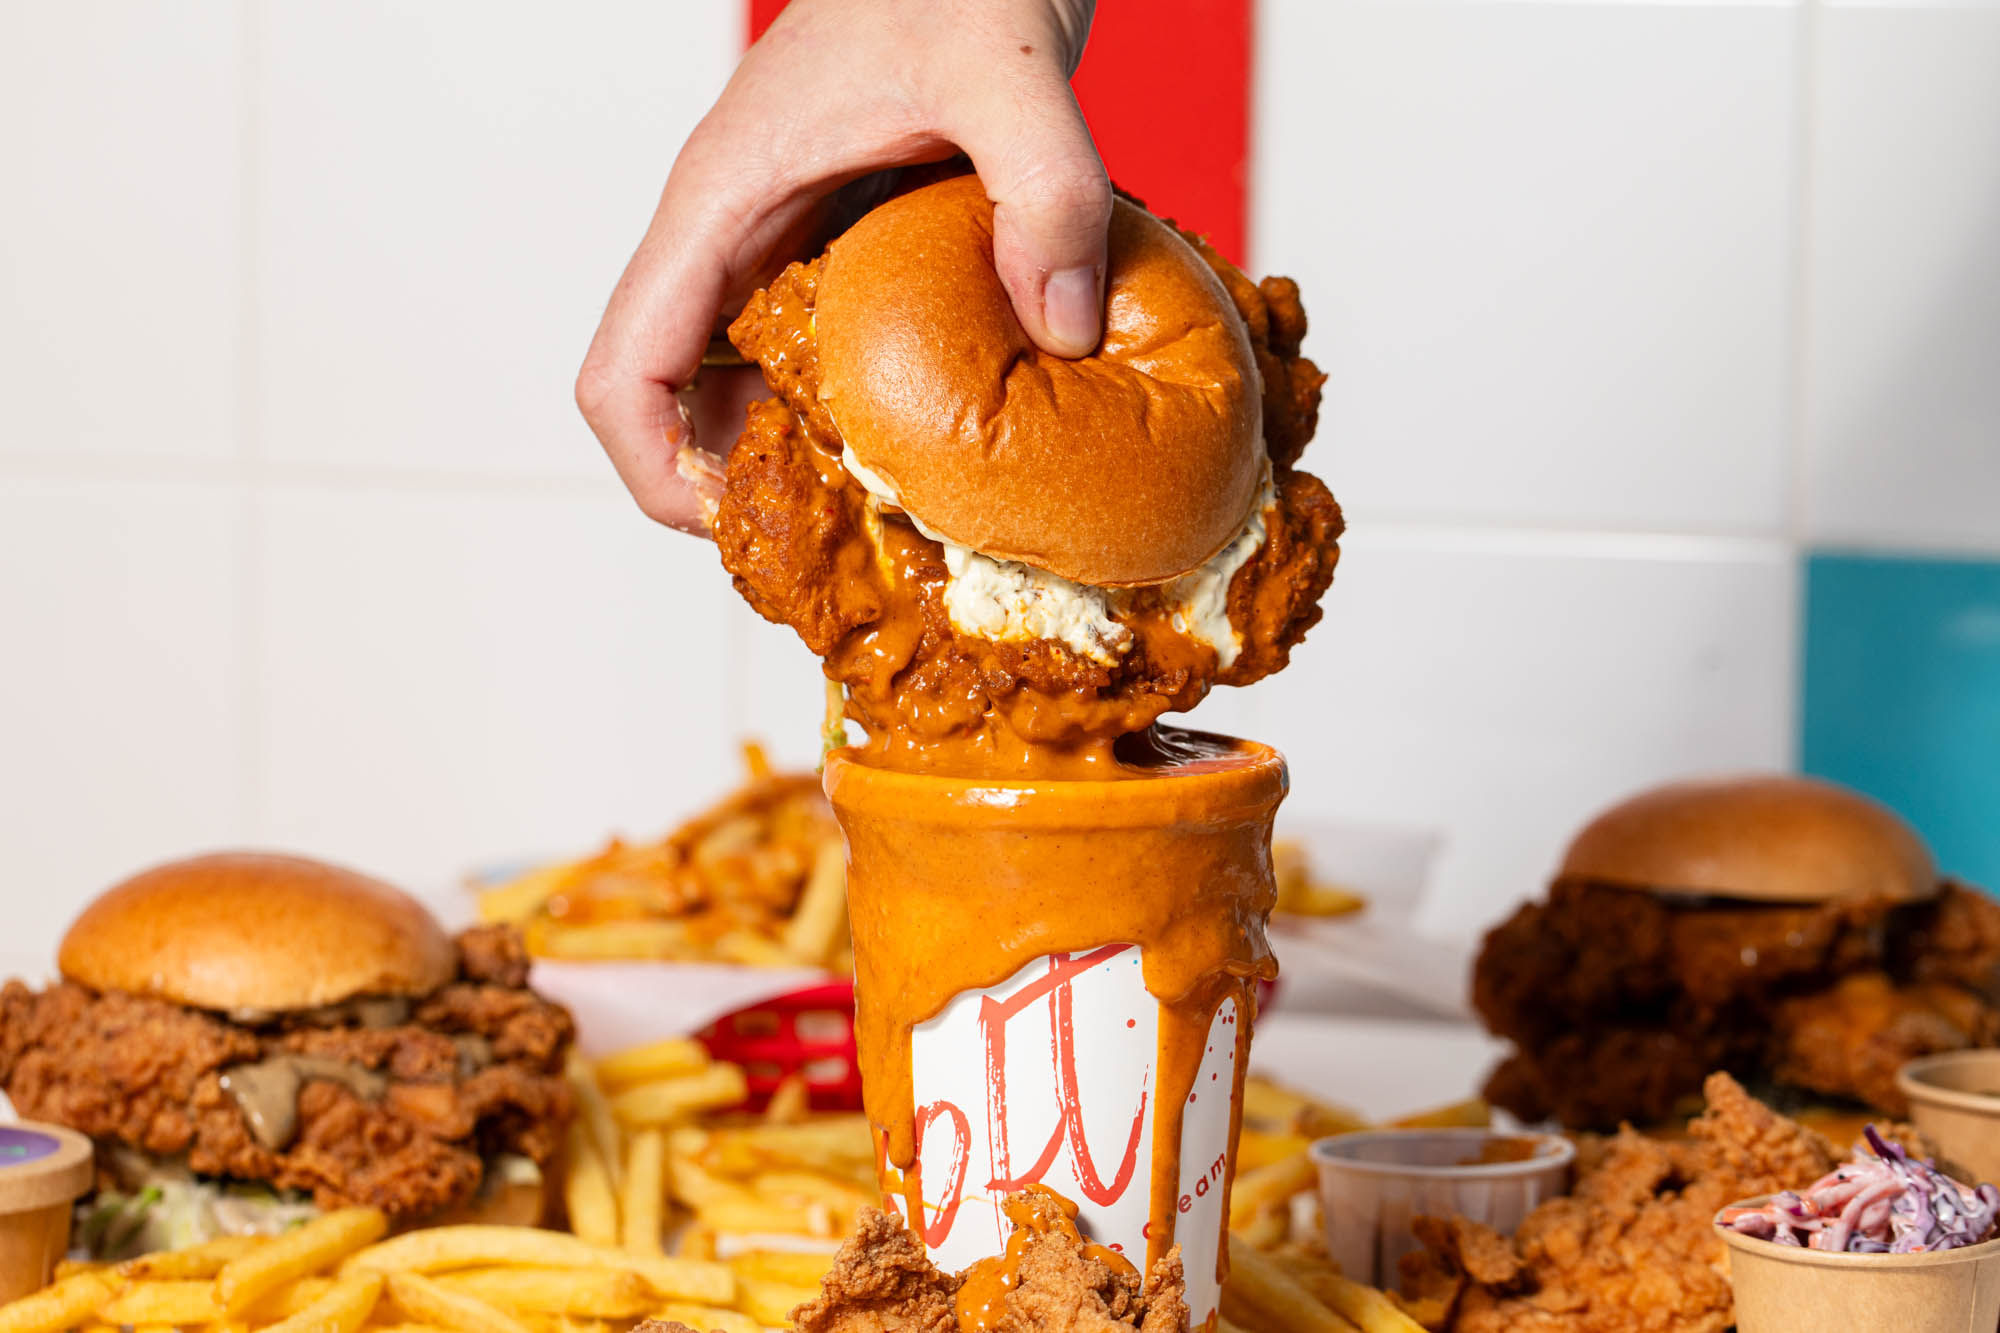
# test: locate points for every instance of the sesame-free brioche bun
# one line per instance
(1770, 838)
(1131, 465)
(256, 931)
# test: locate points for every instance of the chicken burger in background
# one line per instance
(1787, 930)
(252, 1037)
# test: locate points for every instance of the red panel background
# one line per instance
(1165, 85)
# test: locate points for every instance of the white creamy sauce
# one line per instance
(1004, 601)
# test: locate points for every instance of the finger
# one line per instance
(646, 348)
(1052, 205)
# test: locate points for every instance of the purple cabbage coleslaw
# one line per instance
(1883, 1202)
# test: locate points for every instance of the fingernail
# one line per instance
(1072, 309)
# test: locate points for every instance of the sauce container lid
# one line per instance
(41, 1165)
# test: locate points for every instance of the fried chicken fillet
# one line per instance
(1055, 1282)
(808, 547)
(1632, 1249)
(1621, 1002)
(474, 1069)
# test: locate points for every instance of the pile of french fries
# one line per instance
(760, 878)
(659, 1164)
(1301, 892)
(336, 1274)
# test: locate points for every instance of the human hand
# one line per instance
(834, 91)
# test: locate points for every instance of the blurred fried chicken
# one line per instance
(1619, 1002)
(1632, 1248)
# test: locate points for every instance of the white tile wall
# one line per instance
(1545, 249)
(122, 726)
(1904, 396)
(1501, 687)
(357, 580)
(120, 181)
(448, 677)
(446, 194)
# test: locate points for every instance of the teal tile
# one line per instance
(1902, 694)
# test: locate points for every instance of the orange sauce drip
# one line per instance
(956, 884)
(983, 1288)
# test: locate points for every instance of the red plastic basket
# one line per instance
(809, 1032)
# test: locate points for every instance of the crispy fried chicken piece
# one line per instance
(881, 1282)
(866, 593)
(1632, 1248)
(478, 1070)
(1649, 992)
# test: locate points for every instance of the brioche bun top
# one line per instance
(1767, 837)
(1131, 465)
(257, 931)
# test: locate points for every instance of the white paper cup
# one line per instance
(1780, 1288)
(1048, 1078)
(1374, 1184)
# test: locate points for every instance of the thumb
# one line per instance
(1052, 205)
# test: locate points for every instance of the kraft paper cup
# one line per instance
(43, 1168)
(1955, 1100)
(1374, 1184)
(1782, 1288)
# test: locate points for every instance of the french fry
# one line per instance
(1371, 1310)
(791, 1101)
(204, 1260)
(62, 1303)
(521, 897)
(806, 1188)
(71, 1267)
(1472, 1113)
(1260, 1294)
(587, 1190)
(1224, 1326)
(596, 1293)
(652, 1062)
(1258, 1147)
(792, 1268)
(187, 1301)
(710, 1319)
(772, 1303)
(434, 1303)
(317, 1245)
(1266, 1187)
(343, 1309)
(641, 1209)
(696, 1242)
(755, 1216)
(440, 1249)
(595, 1114)
(666, 1100)
(1264, 1229)
(751, 949)
(609, 939)
(820, 918)
(393, 1328)
(289, 1299)
(840, 1138)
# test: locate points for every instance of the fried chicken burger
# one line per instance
(1787, 930)
(1009, 559)
(252, 1037)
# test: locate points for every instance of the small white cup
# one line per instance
(1374, 1183)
